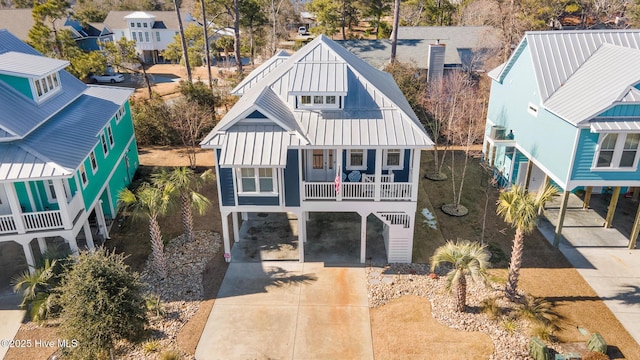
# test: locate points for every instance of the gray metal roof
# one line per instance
(167, 19)
(260, 72)
(632, 96)
(17, 63)
(614, 125)
(375, 112)
(599, 83)
(254, 145)
(319, 77)
(17, 163)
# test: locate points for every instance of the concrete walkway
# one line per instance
(10, 318)
(601, 256)
(289, 310)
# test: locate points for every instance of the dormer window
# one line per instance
(320, 101)
(46, 86)
(133, 24)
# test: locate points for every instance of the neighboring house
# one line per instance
(66, 150)
(459, 47)
(572, 101)
(151, 30)
(321, 131)
(20, 21)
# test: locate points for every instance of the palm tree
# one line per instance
(36, 289)
(186, 183)
(520, 209)
(468, 259)
(151, 202)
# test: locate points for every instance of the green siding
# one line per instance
(546, 137)
(122, 133)
(23, 196)
(43, 197)
(21, 84)
(584, 159)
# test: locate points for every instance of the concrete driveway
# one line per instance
(10, 318)
(289, 310)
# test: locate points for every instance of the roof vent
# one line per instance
(435, 61)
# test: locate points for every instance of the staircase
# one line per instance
(398, 236)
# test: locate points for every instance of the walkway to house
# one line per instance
(10, 317)
(289, 310)
(601, 256)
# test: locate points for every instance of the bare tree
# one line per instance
(191, 121)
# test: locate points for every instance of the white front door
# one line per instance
(537, 179)
(522, 173)
(320, 165)
(5, 209)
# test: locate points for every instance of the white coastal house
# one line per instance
(321, 131)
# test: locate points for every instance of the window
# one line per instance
(330, 100)
(105, 148)
(356, 159)
(257, 180)
(120, 114)
(46, 85)
(144, 24)
(133, 24)
(140, 35)
(83, 175)
(138, 24)
(392, 159)
(318, 100)
(146, 36)
(93, 161)
(110, 136)
(617, 151)
(133, 34)
(157, 35)
(305, 100)
(51, 192)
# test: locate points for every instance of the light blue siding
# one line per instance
(546, 137)
(622, 110)
(292, 179)
(584, 160)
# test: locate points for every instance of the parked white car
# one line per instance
(302, 30)
(107, 78)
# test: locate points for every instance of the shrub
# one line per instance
(170, 355)
(151, 120)
(151, 346)
(510, 325)
(490, 308)
(539, 310)
(154, 305)
(101, 304)
(542, 331)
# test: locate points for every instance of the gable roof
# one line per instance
(18, 21)
(374, 111)
(17, 63)
(260, 72)
(164, 19)
(581, 73)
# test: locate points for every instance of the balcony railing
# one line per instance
(42, 220)
(357, 191)
(7, 225)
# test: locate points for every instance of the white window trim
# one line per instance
(256, 177)
(47, 190)
(50, 92)
(104, 144)
(617, 155)
(324, 105)
(110, 138)
(120, 114)
(83, 170)
(386, 166)
(93, 154)
(357, 167)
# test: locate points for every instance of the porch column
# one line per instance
(415, 178)
(26, 247)
(225, 236)
(635, 230)
(102, 223)
(378, 176)
(302, 233)
(61, 196)
(88, 235)
(244, 215)
(363, 237)
(236, 228)
(493, 152)
(563, 211)
(587, 197)
(545, 183)
(486, 156)
(636, 192)
(42, 244)
(612, 207)
(16, 208)
(73, 245)
(527, 176)
(338, 169)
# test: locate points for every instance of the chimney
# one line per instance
(435, 61)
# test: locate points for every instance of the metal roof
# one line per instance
(614, 125)
(260, 72)
(254, 145)
(116, 20)
(599, 83)
(374, 113)
(319, 78)
(17, 163)
(17, 63)
(632, 96)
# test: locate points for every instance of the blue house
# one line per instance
(66, 150)
(321, 131)
(565, 108)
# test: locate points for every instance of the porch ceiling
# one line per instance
(614, 125)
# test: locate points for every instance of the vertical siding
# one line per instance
(584, 159)
(225, 182)
(19, 83)
(520, 158)
(403, 174)
(259, 200)
(546, 137)
(292, 180)
(23, 197)
(623, 110)
(371, 162)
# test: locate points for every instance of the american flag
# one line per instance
(336, 182)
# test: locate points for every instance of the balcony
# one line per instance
(41, 220)
(363, 191)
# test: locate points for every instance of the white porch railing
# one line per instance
(75, 206)
(7, 225)
(356, 191)
(42, 220)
